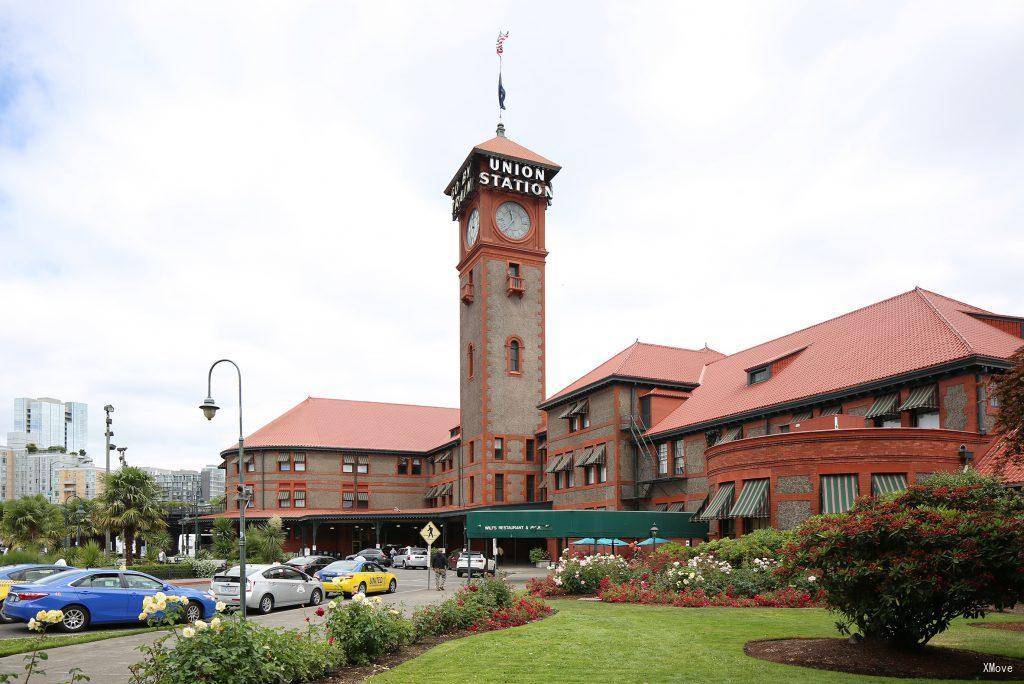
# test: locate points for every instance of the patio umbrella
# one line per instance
(586, 541)
(651, 541)
(605, 541)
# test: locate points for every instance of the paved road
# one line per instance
(108, 661)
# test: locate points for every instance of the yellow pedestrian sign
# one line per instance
(430, 533)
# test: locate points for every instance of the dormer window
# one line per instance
(759, 375)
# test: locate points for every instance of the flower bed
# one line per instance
(628, 592)
(482, 606)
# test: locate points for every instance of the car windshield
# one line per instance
(369, 552)
(343, 566)
(300, 560)
(58, 578)
(417, 550)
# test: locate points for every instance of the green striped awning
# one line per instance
(884, 406)
(676, 506)
(720, 506)
(599, 453)
(731, 435)
(921, 397)
(838, 492)
(431, 493)
(801, 416)
(555, 464)
(753, 501)
(832, 410)
(585, 459)
(888, 483)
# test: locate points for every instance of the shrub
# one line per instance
(367, 629)
(470, 606)
(90, 554)
(15, 557)
(522, 610)
(631, 592)
(901, 569)
(544, 588)
(165, 570)
(198, 567)
(583, 575)
(743, 550)
(538, 555)
(229, 650)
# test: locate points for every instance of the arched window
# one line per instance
(514, 348)
(469, 360)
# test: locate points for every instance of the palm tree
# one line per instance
(225, 539)
(129, 505)
(32, 521)
(79, 516)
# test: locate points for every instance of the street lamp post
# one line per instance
(210, 408)
(108, 433)
(654, 538)
(120, 451)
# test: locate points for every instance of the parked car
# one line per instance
(350, 577)
(89, 597)
(475, 561)
(375, 555)
(410, 557)
(268, 587)
(24, 573)
(309, 564)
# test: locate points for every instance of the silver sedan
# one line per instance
(268, 587)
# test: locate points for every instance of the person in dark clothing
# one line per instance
(439, 563)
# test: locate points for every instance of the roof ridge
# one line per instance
(669, 346)
(628, 351)
(383, 403)
(977, 309)
(931, 305)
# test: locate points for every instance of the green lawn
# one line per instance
(24, 644)
(588, 641)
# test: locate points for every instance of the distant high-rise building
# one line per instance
(175, 485)
(51, 422)
(212, 483)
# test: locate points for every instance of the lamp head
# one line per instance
(209, 408)
(108, 408)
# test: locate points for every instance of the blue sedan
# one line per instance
(98, 597)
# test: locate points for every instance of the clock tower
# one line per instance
(499, 198)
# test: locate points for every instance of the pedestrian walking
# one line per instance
(439, 563)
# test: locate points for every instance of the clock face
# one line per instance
(472, 228)
(512, 220)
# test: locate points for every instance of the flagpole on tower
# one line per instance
(500, 48)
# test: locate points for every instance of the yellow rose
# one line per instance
(200, 625)
(55, 615)
(359, 597)
(33, 625)
(221, 606)
(143, 616)
(160, 596)
(215, 623)
(188, 632)
(41, 616)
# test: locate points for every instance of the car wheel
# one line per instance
(76, 618)
(266, 604)
(193, 611)
(362, 588)
(316, 597)
(392, 587)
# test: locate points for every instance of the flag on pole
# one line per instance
(500, 48)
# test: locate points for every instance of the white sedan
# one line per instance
(474, 562)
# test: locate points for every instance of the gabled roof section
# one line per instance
(344, 424)
(913, 331)
(643, 361)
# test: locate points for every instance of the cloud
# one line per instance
(182, 183)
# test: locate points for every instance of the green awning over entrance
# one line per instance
(721, 505)
(753, 501)
(888, 483)
(532, 524)
(838, 492)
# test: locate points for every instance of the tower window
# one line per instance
(499, 448)
(499, 487)
(514, 349)
(469, 360)
(529, 450)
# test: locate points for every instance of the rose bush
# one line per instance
(366, 628)
(482, 605)
(575, 575)
(900, 569)
(634, 592)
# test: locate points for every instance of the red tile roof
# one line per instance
(340, 423)
(912, 331)
(997, 462)
(648, 361)
(505, 147)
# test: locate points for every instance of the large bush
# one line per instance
(583, 575)
(900, 569)
(232, 651)
(367, 629)
(470, 607)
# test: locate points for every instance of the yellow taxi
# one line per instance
(350, 577)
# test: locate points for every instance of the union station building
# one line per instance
(864, 403)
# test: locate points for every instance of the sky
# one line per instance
(183, 182)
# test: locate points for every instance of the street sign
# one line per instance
(430, 533)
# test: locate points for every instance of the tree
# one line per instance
(79, 517)
(225, 539)
(156, 541)
(266, 542)
(130, 505)
(900, 569)
(31, 448)
(32, 522)
(1008, 391)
